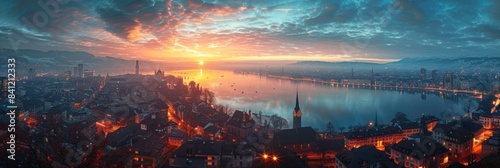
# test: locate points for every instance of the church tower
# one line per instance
(137, 67)
(297, 113)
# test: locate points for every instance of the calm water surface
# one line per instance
(343, 106)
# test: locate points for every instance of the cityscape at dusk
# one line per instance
(243, 84)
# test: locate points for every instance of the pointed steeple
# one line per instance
(297, 113)
(376, 118)
(137, 67)
(249, 114)
(297, 108)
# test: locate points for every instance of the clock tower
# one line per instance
(297, 113)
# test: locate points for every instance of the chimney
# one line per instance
(250, 115)
(244, 117)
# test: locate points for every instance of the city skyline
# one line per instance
(222, 31)
(250, 83)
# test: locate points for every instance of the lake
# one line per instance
(321, 103)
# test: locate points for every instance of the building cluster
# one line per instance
(428, 143)
(433, 80)
(54, 124)
(427, 79)
(79, 72)
(157, 120)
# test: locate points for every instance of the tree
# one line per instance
(330, 128)
(224, 109)
(399, 118)
(209, 97)
(342, 129)
(194, 91)
(468, 106)
(487, 103)
(278, 122)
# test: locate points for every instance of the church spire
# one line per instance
(297, 113)
(137, 67)
(297, 108)
(376, 118)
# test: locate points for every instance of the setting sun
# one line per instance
(200, 63)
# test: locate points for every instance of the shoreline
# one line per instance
(332, 83)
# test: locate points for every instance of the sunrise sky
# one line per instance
(229, 30)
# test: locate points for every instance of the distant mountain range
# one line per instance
(60, 61)
(464, 63)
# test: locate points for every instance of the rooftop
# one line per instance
(151, 146)
(373, 131)
(455, 134)
(194, 162)
(296, 136)
(419, 149)
(178, 134)
(363, 156)
(240, 119)
(198, 147)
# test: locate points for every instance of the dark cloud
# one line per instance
(118, 22)
(488, 31)
(331, 11)
(407, 27)
(494, 9)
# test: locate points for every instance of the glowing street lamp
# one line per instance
(265, 156)
(275, 158)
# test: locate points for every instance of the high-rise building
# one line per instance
(435, 75)
(423, 74)
(137, 67)
(75, 71)
(448, 80)
(80, 70)
(88, 73)
(67, 74)
(373, 81)
(297, 113)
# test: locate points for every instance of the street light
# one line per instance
(265, 156)
(275, 158)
